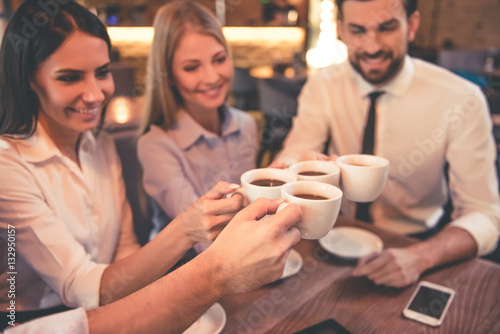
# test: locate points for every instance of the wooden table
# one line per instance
(324, 289)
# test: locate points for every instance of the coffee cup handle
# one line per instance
(240, 191)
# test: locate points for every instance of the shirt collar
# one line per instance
(40, 147)
(187, 131)
(397, 86)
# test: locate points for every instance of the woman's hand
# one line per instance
(204, 219)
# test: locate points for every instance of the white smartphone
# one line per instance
(429, 303)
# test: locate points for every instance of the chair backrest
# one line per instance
(124, 79)
(126, 146)
(471, 60)
(243, 82)
(278, 102)
(244, 90)
(468, 64)
(493, 97)
(278, 98)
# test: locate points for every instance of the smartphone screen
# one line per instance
(430, 302)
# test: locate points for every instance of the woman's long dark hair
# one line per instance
(36, 30)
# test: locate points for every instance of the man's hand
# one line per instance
(251, 252)
(277, 164)
(312, 155)
(305, 156)
(395, 267)
(399, 267)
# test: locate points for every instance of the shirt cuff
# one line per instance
(74, 321)
(484, 232)
(88, 291)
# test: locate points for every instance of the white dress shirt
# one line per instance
(427, 116)
(182, 164)
(70, 223)
(69, 322)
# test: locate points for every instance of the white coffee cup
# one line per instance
(329, 171)
(318, 215)
(362, 176)
(253, 191)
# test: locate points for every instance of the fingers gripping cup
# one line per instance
(320, 204)
(362, 176)
(317, 170)
(265, 182)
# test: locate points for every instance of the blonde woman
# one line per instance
(192, 139)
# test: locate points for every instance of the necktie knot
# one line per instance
(374, 96)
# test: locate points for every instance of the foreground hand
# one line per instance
(395, 267)
(251, 252)
(205, 218)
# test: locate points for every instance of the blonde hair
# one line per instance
(162, 100)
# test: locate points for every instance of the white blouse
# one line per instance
(69, 223)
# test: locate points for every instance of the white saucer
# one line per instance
(211, 322)
(293, 264)
(351, 242)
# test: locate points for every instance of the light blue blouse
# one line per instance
(183, 163)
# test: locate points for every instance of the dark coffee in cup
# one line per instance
(267, 183)
(312, 173)
(311, 196)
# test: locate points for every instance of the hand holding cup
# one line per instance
(320, 205)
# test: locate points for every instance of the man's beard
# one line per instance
(376, 77)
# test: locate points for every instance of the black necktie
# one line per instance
(363, 209)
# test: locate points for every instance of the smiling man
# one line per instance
(418, 116)
(377, 36)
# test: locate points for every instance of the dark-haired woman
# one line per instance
(63, 209)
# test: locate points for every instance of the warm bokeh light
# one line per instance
(233, 34)
(131, 34)
(328, 50)
(327, 5)
(120, 110)
(293, 16)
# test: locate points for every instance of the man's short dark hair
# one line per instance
(409, 5)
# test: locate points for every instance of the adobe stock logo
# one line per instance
(31, 25)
